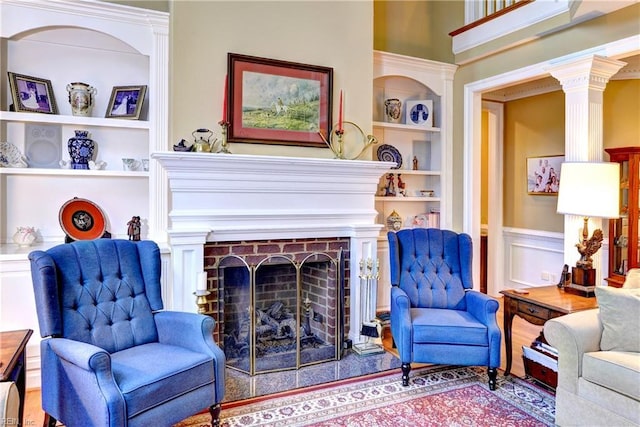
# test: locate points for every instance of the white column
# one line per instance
(187, 260)
(583, 82)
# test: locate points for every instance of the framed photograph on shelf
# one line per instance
(126, 102)
(32, 94)
(278, 102)
(543, 175)
(419, 113)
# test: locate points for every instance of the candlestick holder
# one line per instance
(350, 135)
(201, 300)
(224, 146)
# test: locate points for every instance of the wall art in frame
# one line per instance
(32, 94)
(543, 175)
(126, 102)
(278, 102)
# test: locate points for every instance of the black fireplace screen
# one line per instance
(281, 314)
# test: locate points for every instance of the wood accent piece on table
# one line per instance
(13, 362)
(537, 306)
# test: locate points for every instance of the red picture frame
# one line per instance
(278, 102)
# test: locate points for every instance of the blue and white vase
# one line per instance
(81, 149)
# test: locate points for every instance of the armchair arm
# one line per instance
(573, 335)
(195, 332)
(484, 308)
(401, 329)
(88, 372)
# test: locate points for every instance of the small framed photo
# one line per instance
(126, 102)
(419, 113)
(543, 175)
(32, 94)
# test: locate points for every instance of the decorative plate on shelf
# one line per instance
(389, 153)
(419, 113)
(82, 219)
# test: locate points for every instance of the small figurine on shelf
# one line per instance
(401, 186)
(415, 163)
(133, 228)
(390, 189)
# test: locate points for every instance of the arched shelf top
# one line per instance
(432, 74)
(134, 27)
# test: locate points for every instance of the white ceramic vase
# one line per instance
(25, 236)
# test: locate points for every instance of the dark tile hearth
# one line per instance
(241, 386)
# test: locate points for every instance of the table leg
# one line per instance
(21, 385)
(508, 322)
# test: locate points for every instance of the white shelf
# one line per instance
(403, 127)
(406, 199)
(22, 117)
(414, 172)
(74, 172)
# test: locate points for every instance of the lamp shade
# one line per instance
(589, 189)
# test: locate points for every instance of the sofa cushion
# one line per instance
(633, 279)
(618, 314)
(616, 370)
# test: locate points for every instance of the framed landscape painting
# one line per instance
(278, 102)
(543, 175)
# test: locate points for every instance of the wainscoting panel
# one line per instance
(532, 257)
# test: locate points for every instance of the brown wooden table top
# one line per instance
(553, 298)
(12, 344)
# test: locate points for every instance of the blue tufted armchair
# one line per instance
(110, 355)
(436, 317)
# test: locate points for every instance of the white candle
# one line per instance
(201, 284)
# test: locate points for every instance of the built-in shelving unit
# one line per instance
(104, 45)
(413, 79)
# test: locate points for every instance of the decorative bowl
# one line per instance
(11, 157)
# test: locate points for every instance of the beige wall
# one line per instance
(621, 114)
(332, 34)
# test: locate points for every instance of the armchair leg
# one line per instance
(214, 410)
(406, 368)
(49, 421)
(493, 374)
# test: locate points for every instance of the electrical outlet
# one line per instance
(545, 276)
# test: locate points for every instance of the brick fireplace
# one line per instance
(250, 205)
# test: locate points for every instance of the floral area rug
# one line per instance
(436, 396)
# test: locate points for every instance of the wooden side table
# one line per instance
(13, 362)
(537, 306)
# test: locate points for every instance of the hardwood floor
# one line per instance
(523, 333)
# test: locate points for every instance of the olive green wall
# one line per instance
(417, 28)
(159, 5)
(615, 26)
(534, 127)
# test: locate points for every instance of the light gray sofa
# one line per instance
(595, 387)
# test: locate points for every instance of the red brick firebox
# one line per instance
(255, 251)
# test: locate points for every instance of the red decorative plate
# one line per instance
(82, 219)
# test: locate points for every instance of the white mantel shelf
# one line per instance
(237, 197)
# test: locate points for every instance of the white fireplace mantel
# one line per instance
(229, 197)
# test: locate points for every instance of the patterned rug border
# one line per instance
(314, 388)
(321, 403)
